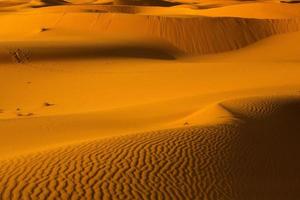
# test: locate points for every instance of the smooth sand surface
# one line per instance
(149, 99)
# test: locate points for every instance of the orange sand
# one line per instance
(149, 99)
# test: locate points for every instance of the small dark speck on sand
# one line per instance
(48, 104)
(186, 124)
(44, 29)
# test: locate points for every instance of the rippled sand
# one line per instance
(149, 99)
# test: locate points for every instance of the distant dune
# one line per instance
(186, 34)
(149, 99)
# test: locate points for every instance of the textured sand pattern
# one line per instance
(167, 164)
(227, 161)
(149, 99)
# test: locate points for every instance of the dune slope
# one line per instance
(250, 156)
(192, 34)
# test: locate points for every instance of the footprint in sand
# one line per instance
(24, 114)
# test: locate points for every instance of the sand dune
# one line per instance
(280, 48)
(88, 102)
(257, 10)
(149, 99)
(237, 159)
(186, 34)
(61, 127)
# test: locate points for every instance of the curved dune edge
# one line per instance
(189, 34)
(252, 155)
(185, 34)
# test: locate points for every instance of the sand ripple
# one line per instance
(248, 159)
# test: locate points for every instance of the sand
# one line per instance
(149, 99)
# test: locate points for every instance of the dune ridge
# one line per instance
(259, 10)
(197, 162)
(192, 35)
(202, 35)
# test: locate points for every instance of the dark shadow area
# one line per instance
(64, 52)
(290, 1)
(269, 165)
(114, 9)
(51, 3)
(199, 6)
(160, 3)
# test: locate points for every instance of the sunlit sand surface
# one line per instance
(149, 99)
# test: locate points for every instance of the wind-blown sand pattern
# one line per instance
(223, 161)
(149, 99)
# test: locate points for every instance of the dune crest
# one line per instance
(198, 35)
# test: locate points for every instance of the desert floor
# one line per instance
(149, 99)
